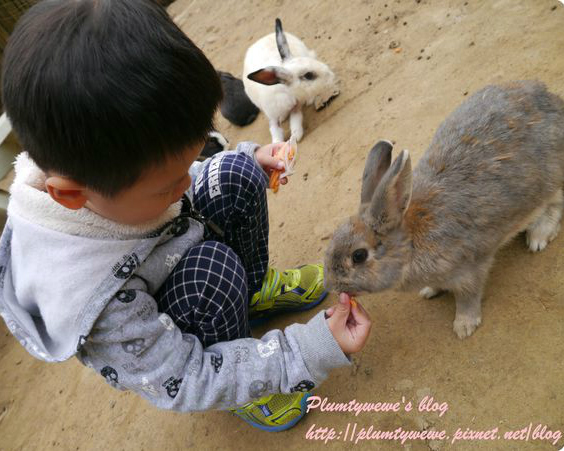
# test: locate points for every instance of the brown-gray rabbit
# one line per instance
(494, 168)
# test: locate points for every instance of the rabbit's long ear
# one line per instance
(391, 197)
(281, 41)
(271, 75)
(377, 163)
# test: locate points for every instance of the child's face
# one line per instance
(157, 189)
(151, 195)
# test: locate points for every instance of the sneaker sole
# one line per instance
(262, 319)
(282, 427)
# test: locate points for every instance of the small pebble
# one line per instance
(428, 57)
(405, 23)
(281, 224)
(394, 45)
(389, 99)
(553, 8)
(465, 93)
(369, 83)
(421, 423)
(472, 43)
(422, 50)
(422, 392)
(419, 57)
(403, 385)
(350, 29)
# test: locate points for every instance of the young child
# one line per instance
(123, 251)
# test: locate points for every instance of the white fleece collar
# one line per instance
(29, 201)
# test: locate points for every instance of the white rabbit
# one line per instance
(293, 77)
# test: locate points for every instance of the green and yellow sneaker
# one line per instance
(275, 412)
(292, 290)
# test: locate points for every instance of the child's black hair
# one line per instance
(101, 90)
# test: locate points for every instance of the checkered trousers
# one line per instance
(208, 292)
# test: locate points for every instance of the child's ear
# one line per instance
(66, 192)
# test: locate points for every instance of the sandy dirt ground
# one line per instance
(507, 375)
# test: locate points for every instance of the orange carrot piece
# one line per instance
(274, 182)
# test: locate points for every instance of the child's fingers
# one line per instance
(273, 163)
(275, 148)
(329, 312)
(363, 331)
(360, 315)
(359, 310)
(362, 320)
(341, 311)
(361, 323)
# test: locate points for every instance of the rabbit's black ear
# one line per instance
(377, 163)
(225, 75)
(281, 41)
(271, 75)
(391, 197)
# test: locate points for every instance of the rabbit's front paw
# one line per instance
(546, 227)
(541, 234)
(464, 326)
(430, 292)
(298, 132)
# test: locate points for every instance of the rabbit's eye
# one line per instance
(359, 256)
(309, 76)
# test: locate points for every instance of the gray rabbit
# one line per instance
(494, 168)
(236, 106)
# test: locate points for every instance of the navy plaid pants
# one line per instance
(208, 292)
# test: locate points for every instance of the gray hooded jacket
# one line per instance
(73, 283)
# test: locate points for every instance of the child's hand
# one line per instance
(350, 325)
(266, 159)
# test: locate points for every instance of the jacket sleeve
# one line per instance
(137, 348)
(246, 147)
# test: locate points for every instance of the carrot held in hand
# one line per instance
(287, 154)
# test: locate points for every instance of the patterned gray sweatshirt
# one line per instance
(73, 283)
